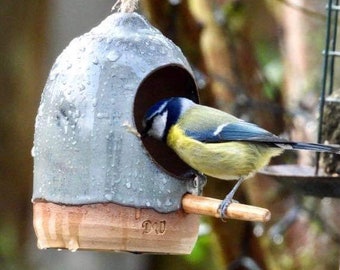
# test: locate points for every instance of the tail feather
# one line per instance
(310, 146)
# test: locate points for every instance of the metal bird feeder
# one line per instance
(95, 186)
(322, 180)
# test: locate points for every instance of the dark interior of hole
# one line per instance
(167, 81)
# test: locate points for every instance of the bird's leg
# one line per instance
(229, 199)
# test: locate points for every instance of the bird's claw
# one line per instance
(223, 207)
(229, 199)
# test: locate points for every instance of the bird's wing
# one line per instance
(213, 126)
(238, 131)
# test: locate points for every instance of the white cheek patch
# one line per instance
(158, 125)
(219, 129)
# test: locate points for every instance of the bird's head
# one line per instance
(161, 116)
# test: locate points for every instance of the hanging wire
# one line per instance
(333, 53)
(329, 53)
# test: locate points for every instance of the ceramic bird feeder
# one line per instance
(97, 185)
(90, 166)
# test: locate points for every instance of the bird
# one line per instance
(215, 143)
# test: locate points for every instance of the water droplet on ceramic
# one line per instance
(168, 202)
(113, 56)
(95, 61)
(108, 196)
(102, 115)
(33, 151)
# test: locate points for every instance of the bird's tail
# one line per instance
(310, 146)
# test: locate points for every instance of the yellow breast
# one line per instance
(228, 161)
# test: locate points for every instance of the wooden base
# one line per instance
(113, 227)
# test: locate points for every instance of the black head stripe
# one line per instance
(152, 112)
(174, 110)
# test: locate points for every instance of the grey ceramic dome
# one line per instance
(97, 91)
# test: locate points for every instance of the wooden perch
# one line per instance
(209, 206)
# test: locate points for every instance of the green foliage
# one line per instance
(271, 68)
(9, 247)
(8, 237)
(206, 253)
(234, 12)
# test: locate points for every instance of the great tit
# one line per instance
(216, 143)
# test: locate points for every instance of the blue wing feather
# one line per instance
(237, 131)
(248, 132)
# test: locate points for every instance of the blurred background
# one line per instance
(260, 60)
